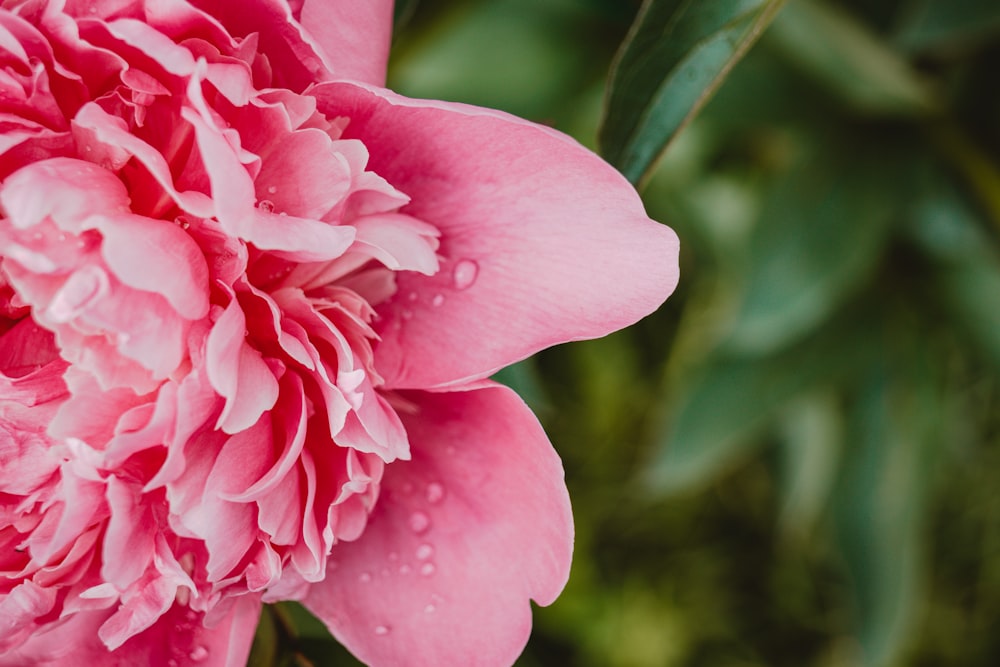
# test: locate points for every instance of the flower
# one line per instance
(249, 300)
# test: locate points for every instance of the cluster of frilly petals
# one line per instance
(248, 300)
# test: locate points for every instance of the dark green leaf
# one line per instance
(676, 56)
(880, 499)
(265, 649)
(952, 232)
(850, 59)
(818, 236)
(950, 23)
(722, 410)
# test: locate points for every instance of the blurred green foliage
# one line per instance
(794, 462)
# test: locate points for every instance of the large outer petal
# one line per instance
(462, 536)
(563, 246)
(354, 36)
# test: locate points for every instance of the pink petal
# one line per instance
(542, 242)
(177, 638)
(238, 372)
(353, 36)
(155, 256)
(84, 190)
(462, 536)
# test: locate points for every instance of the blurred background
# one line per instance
(796, 461)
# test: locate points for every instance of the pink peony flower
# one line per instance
(249, 300)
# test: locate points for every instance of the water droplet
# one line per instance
(404, 569)
(271, 189)
(424, 551)
(199, 653)
(88, 148)
(427, 569)
(430, 609)
(365, 577)
(407, 314)
(171, 663)
(419, 522)
(465, 274)
(412, 296)
(407, 488)
(381, 630)
(266, 205)
(435, 492)
(437, 300)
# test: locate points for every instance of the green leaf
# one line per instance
(818, 236)
(675, 57)
(880, 500)
(722, 410)
(952, 232)
(937, 23)
(810, 443)
(854, 63)
(265, 649)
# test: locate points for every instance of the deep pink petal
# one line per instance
(353, 36)
(462, 536)
(542, 242)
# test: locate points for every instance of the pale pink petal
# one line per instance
(353, 36)
(129, 540)
(159, 257)
(84, 190)
(542, 242)
(238, 372)
(462, 536)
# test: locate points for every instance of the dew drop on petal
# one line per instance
(198, 654)
(424, 551)
(434, 493)
(271, 189)
(412, 296)
(407, 314)
(381, 630)
(427, 569)
(419, 522)
(404, 569)
(266, 205)
(437, 300)
(465, 274)
(430, 609)
(365, 577)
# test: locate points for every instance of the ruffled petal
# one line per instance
(462, 536)
(177, 638)
(541, 241)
